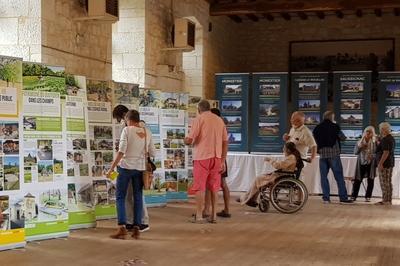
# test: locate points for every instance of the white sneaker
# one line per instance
(144, 228)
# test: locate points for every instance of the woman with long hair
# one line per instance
(365, 150)
(291, 162)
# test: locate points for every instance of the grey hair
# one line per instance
(329, 115)
(204, 106)
(299, 114)
(384, 126)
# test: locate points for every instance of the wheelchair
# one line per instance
(287, 194)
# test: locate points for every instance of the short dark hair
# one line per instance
(132, 115)
(216, 111)
(119, 112)
(204, 106)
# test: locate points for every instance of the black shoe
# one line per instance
(252, 204)
(223, 214)
(346, 201)
(144, 228)
(129, 227)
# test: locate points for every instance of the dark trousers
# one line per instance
(126, 178)
(365, 173)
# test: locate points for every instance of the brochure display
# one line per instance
(12, 208)
(44, 152)
(174, 152)
(389, 103)
(310, 95)
(101, 146)
(269, 112)
(232, 93)
(79, 183)
(352, 91)
(149, 109)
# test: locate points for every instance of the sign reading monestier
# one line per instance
(232, 93)
(269, 111)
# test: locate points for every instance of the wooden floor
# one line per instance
(360, 234)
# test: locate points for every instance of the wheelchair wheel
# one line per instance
(288, 195)
(263, 206)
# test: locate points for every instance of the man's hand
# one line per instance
(188, 141)
(223, 167)
(286, 137)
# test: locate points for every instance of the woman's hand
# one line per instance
(109, 172)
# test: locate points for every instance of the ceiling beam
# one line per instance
(320, 14)
(268, 16)
(286, 16)
(235, 18)
(252, 17)
(289, 6)
(302, 15)
(378, 12)
(339, 14)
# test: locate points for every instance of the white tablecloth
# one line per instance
(243, 169)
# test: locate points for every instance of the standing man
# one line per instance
(301, 136)
(328, 136)
(210, 139)
(119, 113)
(385, 159)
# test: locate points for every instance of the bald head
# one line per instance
(297, 119)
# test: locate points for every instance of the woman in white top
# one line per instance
(365, 150)
(131, 161)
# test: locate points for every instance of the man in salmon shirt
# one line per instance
(210, 140)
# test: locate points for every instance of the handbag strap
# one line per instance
(146, 153)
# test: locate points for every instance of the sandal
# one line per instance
(204, 215)
(223, 214)
(212, 221)
(196, 221)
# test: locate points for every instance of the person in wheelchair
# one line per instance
(288, 165)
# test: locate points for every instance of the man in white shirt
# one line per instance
(301, 136)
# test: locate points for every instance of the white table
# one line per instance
(243, 168)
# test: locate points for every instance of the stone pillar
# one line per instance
(128, 43)
(20, 29)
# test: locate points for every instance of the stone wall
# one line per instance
(82, 46)
(194, 71)
(20, 29)
(221, 56)
(264, 45)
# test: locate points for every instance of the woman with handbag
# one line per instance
(119, 113)
(131, 159)
(365, 150)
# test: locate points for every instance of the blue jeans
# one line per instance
(336, 165)
(123, 181)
